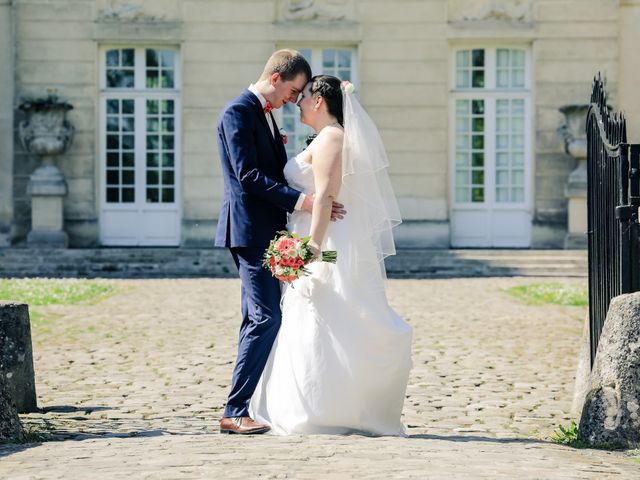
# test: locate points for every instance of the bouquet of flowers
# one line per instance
(288, 254)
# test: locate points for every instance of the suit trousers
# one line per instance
(261, 318)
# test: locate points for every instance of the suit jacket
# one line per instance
(256, 197)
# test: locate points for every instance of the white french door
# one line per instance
(491, 145)
(139, 147)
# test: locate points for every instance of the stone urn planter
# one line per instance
(46, 133)
(575, 141)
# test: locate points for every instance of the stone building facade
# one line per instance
(466, 94)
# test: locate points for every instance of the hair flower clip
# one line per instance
(347, 87)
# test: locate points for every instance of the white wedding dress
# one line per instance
(342, 358)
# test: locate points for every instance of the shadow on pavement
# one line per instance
(475, 438)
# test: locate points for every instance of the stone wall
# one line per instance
(6, 121)
(56, 50)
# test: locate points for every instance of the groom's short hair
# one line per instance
(288, 63)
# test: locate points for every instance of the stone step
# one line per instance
(188, 262)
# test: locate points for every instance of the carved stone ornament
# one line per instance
(505, 11)
(46, 131)
(127, 12)
(316, 10)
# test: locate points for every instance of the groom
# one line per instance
(254, 207)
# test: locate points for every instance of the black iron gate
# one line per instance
(613, 197)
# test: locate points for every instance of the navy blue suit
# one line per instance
(256, 199)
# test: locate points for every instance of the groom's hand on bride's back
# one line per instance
(337, 209)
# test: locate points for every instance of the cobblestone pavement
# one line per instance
(134, 385)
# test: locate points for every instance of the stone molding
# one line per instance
(319, 11)
(501, 12)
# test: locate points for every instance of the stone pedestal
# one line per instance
(576, 192)
(16, 356)
(575, 138)
(47, 187)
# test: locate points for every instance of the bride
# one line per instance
(341, 361)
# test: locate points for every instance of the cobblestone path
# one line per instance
(133, 387)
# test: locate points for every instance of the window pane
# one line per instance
(152, 124)
(113, 159)
(503, 79)
(113, 195)
(128, 177)
(462, 177)
(152, 58)
(119, 78)
(167, 142)
(113, 142)
(344, 59)
(113, 125)
(462, 59)
(167, 160)
(478, 58)
(167, 124)
(152, 159)
(463, 195)
(167, 195)
(152, 106)
(152, 195)
(167, 58)
(167, 79)
(477, 195)
(502, 58)
(127, 124)
(328, 59)
(127, 159)
(477, 77)
(128, 195)
(502, 159)
(167, 177)
(113, 177)
(113, 106)
(153, 77)
(502, 194)
(128, 57)
(478, 124)
(478, 177)
(462, 79)
(113, 58)
(127, 106)
(477, 159)
(152, 177)
(462, 107)
(478, 141)
(462, 159)
(477, 107)
(167, 106)
(502, 177)
(127, 142)
(517, 58)
(153, 142)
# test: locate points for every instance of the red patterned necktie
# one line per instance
(267, 107)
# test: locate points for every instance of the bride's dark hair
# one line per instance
(328, 87)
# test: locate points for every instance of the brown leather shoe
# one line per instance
(242, 426)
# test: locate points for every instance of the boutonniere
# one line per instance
(283, 134)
